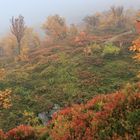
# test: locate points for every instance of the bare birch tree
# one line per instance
(18, 30)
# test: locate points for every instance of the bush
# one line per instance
(21, 133)
(104, 117)
(2, 135)
(96, 48)
(110, 50)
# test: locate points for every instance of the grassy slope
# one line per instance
(62, 75)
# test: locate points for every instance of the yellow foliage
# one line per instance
(2, 73)
(30, 118)
(30, 40)
(5, 99)
(8, 43)
(22, 57)
(55, 27)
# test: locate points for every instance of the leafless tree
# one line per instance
(117, 11)
(92, 20)
(18, 30)
(118, 15)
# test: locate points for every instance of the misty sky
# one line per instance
(36, 11)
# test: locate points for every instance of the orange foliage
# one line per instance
(2, 73)
(97, 119)
(5, 99)
(136, 48)
(5, 96)
(55, 27)
(86, 122)
(21, 133)
(22, 57)
(82, 39)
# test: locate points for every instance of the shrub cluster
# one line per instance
(19, 133)
(110, 50)
(105, 117)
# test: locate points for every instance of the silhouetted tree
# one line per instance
(18, 30)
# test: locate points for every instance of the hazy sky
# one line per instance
(36, 11)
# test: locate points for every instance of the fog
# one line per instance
(36, 11)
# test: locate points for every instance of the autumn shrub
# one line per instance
(2, 135)
(105, 117)
(21, 133)
(110, 50)
(82, 39)
(42, 133)
(136, 48)
(5, 99)
(96, 48)
(2, 74)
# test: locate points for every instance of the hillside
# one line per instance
(79, 81)
(63, 75)
(105, 117)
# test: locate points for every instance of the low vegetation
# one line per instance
(105, 117)
(86, 79)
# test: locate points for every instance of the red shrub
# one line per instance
(110, 117)
(21, 133)
(95, 120)
(2, 135)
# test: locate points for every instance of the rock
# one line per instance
(47, 116)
